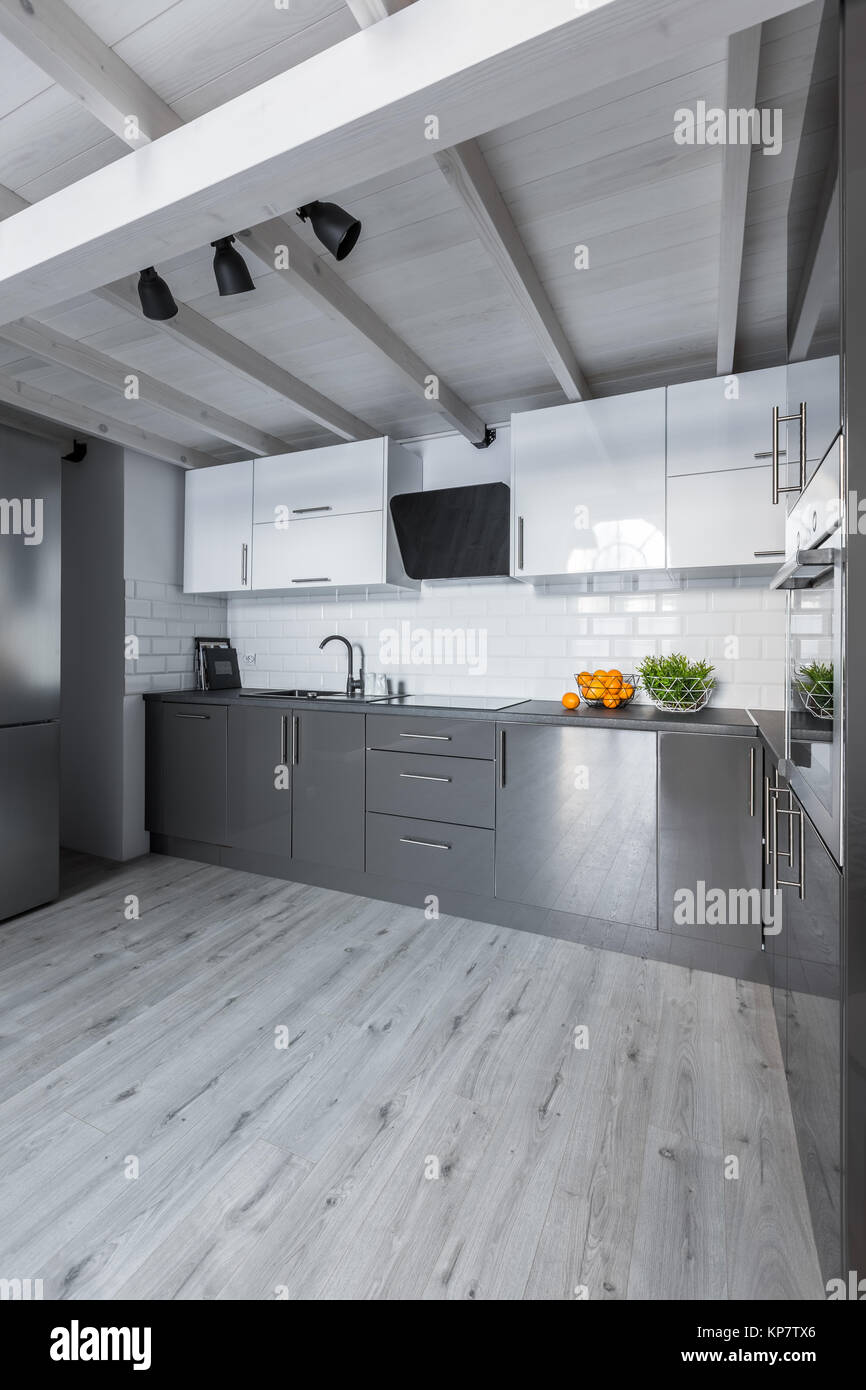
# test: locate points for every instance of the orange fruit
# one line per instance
(584, 678)
(570, 700)
(611, 701)
(614, 675)
(613, 682)
(599, 675)
(595, 691)
(627, 691)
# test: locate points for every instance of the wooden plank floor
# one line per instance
(258, 1090)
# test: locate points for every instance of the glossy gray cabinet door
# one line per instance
(189, 763)
(710, 811)
(576, 821)
(811, 941)
(259, 780)
(29, 816)
(328, 788)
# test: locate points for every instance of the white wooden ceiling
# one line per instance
(601, 169)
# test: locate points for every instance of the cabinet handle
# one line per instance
(420, 777)
(501, 759)
(520, 542)
(428, 844)
(776, 452)
(177, 715)
(284, 739)
(800, 881)
(301, 511)
(294, 740)
(436, 738)
(759, 554)
(767, 454)
(751, 779)
(244, 554)
(766, 820)
(314, 579)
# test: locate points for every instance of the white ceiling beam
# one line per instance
(313, 277)
(280, 145)
(466, 170)
(52, 36)
(84, 420)
(369, 12)
(31, 424)
(208, 339)
(819, 269)
(52, 346)
(744, 53)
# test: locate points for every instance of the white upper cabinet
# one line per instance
(321, 482)
(218, 528)
(588, 485)
(816, 384)
(318, 552)
(723, 423)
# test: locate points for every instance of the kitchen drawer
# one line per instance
(318, 553)
(333, 481)
(431, 852)
(461, 791)
(456, 738)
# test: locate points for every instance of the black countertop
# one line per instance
(708, 721)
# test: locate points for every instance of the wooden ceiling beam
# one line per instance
(744, 52)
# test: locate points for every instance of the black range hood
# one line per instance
(454, 532)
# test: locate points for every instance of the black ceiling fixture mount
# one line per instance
(76, 453)
(337, 230)
(157, 301)
(230, 269)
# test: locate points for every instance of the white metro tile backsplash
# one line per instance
(165, 620)
(513, 640)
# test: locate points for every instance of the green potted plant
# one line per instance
(814, 681)
(675, 684)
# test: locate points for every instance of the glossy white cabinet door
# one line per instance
(725, 422)
(217, 543)
(719, 520)
(333, 481)
(589, 486)
(817, 383)
(321, 552)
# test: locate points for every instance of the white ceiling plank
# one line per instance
(84, 420)
(315, 278)
(32, 424)
(819, 270)
(744, 52)
(369, 12)
(207, 337)
(465, 168)
(10, 202)
(279, 145)
(52, 346)
(55, 39)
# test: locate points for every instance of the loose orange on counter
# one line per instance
(570, 700)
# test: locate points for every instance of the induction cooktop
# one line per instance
(453, 701)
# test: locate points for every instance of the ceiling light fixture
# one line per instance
(230, 269)
(157, 301)
(336, 229)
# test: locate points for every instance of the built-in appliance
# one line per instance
(813, 577)
(29, 671)
(493, 702)
(454, 532)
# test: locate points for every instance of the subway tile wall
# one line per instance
(164, 620)
(509, 639)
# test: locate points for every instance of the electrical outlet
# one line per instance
(249, 658)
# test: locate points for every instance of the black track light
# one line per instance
(157, 301)
(230, 269)
(336, 229)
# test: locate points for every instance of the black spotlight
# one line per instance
(157, 301)
(336, 229)
(230, 268)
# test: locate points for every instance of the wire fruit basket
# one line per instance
(611, 689)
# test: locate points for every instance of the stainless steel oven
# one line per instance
(812, 577)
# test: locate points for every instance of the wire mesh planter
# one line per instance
(676, 685)
(814, 685)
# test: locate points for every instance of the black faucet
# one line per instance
(354, 685)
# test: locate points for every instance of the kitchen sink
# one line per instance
(293, 695)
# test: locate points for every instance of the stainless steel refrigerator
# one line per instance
(29, 671)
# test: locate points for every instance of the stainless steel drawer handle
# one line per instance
(301, 511)
(284, 739)
(772, 554)
(428, 844)
(436, 738)
(177, 715)
(314, 579)
(751, 779)
(245, 550)
(421, 777)
(768, 454)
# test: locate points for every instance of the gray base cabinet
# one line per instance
(186, 773)
(259, 780)
(576, 821)
(328, 788)
(710, 808)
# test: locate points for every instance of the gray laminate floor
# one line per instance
(263, 1090)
